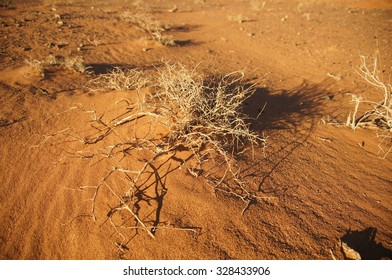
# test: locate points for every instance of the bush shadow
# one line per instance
(148, 195)
(287, 109)
(186, 43)
(294, 114)
(105, 68)
(185, 28)
(364, 242)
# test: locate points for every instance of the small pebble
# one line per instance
(349, 253)
(284, 18)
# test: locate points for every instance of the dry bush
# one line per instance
(258, 5)
(201, 127)
(147, 23)
(163, 39)
(239, 18)
(206, 118)
(119, 79)
(144, 21)
(380, 114)
(204, 115)
(73, 63)
(6, 3)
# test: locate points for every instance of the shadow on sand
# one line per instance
(364, 242)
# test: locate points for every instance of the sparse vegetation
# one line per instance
(201, 116)
(204, 115)
(258, 5)
(131, 145)
(74, 63)
(6, 3)
(153, 27)
(119, 79)
(380, 114)
(239, 18)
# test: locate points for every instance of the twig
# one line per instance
(130, 211)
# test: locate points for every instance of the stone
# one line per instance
(350, 253)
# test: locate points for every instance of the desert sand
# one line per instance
(317, 182)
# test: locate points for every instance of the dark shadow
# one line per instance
(364, 242)
(76, 26)
(286, 109)
(186, 43)
(7, 6)
(151, 191)
(105, 68)
(184, 28)
(147, 198)
(5, 122)
(296, 111)
(243, 21)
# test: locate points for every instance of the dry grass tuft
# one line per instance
(206, 118)
(153, 27)
(119, 79)
(73, 63)
(380, 114)
(204, 115)
(258, 5)
(239, 18)
(5, 4)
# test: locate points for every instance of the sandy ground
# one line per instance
(320, 184)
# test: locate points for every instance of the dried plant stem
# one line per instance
(380, 115)
(125, 205)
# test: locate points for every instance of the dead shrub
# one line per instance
(201, 128)
(119, 79)
(380, 114)
(72, 63)
(147, 23)
(204, 115)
